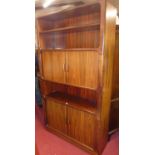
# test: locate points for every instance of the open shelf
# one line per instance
(74, 101)
(77, 27)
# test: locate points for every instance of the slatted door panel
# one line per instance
(53, 66)
(56, 115)
(81, 126)
(82, 68)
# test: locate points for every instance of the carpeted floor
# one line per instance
(49, 144)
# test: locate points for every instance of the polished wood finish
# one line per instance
(114, 115)
(73, 101)
(56, 115)
(77, 27)
(67, 67)
(106, 53)
(72, 116)
(70, 49)
(83, 38)
(77, 50)
(82, 69)
(81, 126)
(53, 66)
(114, 111)
(48, 87)
(75, 30)
(115, 81)
(80, 15)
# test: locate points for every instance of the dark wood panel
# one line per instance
(56, 115)
(86, 77)
(88, 94)
(114, 110)
(82, 69)
(77, 27)
(83, 38)
(53, 66)
(82, 30)
(48, 87)
(107, 47)
(81, 126)
(115, 81)
(114, 115)
(70, 49)
(81, 15)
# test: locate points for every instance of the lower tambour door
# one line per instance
(81, 126)
(56, 115)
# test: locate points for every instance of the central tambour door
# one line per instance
(82, 68)
(76, 68)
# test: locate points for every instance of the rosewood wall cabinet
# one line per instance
(76, 48)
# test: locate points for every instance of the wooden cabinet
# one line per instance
(81, 126)
(76, 48)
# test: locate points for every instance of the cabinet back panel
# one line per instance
(115, 81)
(72, 21)
(83, 38)
(82, 92)
(86, 16)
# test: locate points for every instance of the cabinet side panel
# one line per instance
(107, 47)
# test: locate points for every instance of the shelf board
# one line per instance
(66, 84)
(69, 49)
(74, 101)
(93, 25)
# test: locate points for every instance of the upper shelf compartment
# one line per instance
(77, 27)
(71, 18)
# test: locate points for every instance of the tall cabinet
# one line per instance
(75, 53)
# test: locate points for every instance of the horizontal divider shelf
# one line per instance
(73, 101)
(66, 84)
(69, 49)
(93, 25)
